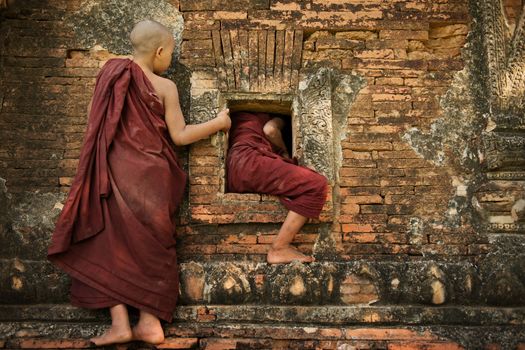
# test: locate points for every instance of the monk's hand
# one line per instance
(224, 118)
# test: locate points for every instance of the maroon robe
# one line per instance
(115, 235)
(254, 165)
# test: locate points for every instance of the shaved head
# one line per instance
(147, 36)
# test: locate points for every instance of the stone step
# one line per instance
(294, 315)
(494, 281)
(275, 335)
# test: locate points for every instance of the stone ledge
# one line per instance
(295, 315)
(185, 335)
(355, 282)
(353, 315)
(493, 281)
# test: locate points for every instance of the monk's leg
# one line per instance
(148, 329)
(120, 331)
(281, 252)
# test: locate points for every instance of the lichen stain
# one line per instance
(108, 23)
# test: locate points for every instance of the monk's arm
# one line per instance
(183, 134)
(272, 131)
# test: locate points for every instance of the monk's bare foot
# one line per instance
(286, 255)
(114, 335)
(149, 331)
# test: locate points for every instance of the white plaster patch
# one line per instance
(394, 283)
(461, 190)
(310, 330)
(491, 125)
(461, 186)
(518, 209)
(501, 219)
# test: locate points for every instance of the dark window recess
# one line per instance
(281, 109)
(286, 131)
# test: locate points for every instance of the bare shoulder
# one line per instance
(166, 86)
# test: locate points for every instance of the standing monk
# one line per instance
(258, 162)
(115, 235)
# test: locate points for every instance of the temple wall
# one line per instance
(412, 109)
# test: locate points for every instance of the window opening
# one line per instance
(281, 109)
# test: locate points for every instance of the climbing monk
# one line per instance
(115, 235)
(258, 162)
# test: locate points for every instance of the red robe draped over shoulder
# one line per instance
(254, 165)
(115, 235)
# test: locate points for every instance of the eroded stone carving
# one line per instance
(514, 175)
(502, 283)
(298, 283)
(504, 151)
(204, 107)
(436, 283)
(314, 120)
(504, 51)
(192, 282)
(502, 228)
(321, 104)
(276, 71)
(227, 282)
(505, 65)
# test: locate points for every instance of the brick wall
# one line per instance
(408, 53)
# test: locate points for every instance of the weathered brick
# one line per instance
(359, 237)
(358, 181)
(404, 34)
(445, 64)
(336, 43)
(372, 63)
(448, 30)
(244, 248)
(389, 81)
(368, 146)
(196, 34)
(425, 345)
(357, 228)
(350, 208)
(385, 129)
(53, 343)
(400, 199)
(386, 44)
(356, 35)
(178, 343)
(363, 199)
(222, 5)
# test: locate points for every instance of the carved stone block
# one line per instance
(504, 151)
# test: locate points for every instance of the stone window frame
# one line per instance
(320, 98)
(315, 105)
